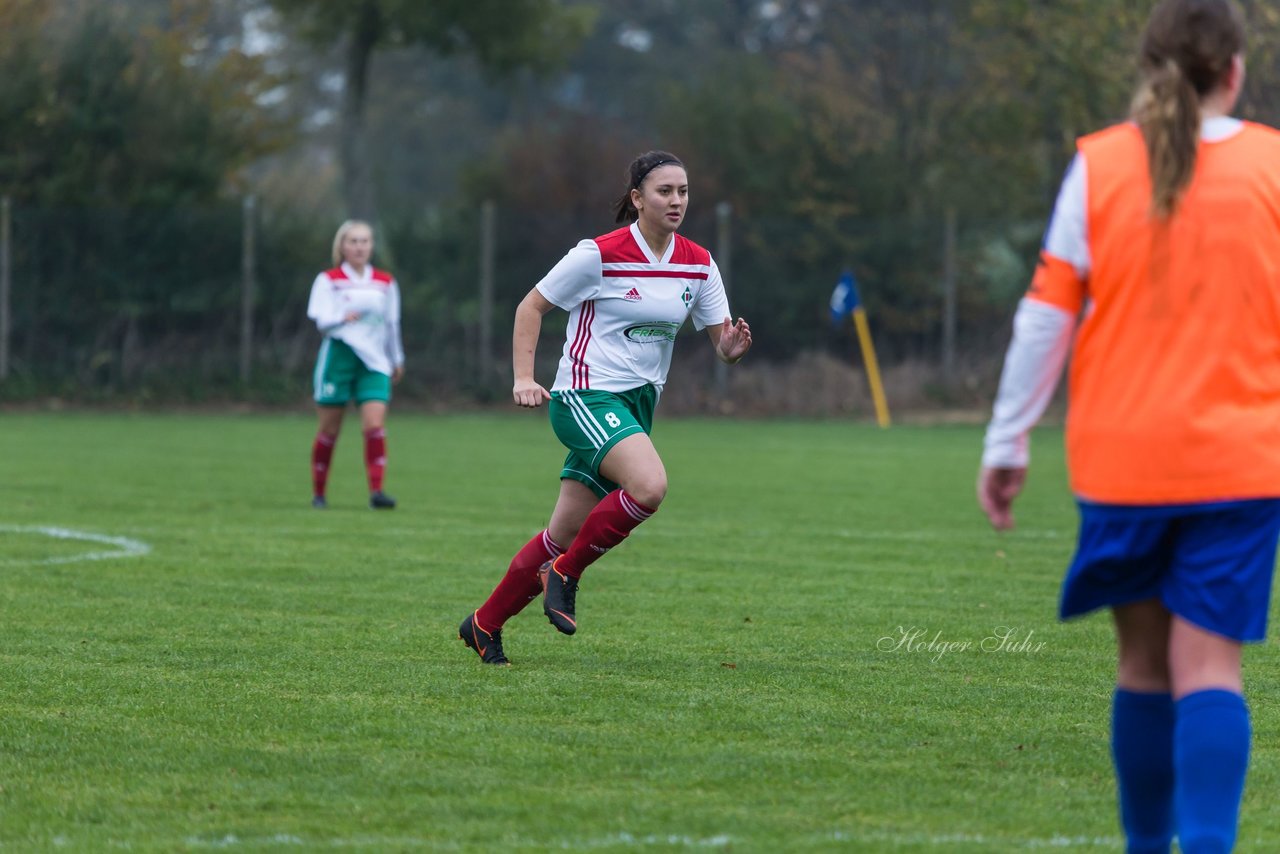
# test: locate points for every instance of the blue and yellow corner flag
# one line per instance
(844, 299)
(845, 302)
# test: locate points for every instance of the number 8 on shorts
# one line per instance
(590, 422)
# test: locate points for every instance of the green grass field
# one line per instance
(266, 676)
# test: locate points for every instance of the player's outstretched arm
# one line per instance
(731, 340)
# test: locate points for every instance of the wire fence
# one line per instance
(209, 302)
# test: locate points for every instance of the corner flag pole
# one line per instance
(845, 301)
(873, 367)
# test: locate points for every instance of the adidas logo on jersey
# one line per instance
(633, 295)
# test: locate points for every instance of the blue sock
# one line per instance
(1211, 755)
(1142, 748)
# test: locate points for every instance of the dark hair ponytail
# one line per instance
(1187, 51)
(623, 209)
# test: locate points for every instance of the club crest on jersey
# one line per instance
(633, 295)
(687, 296)
(651, 333)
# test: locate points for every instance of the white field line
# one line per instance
(982, 533)
(665, 529)
(671, 528)
(726, 841)
(123, 546)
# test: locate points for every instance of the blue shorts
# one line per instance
(1210, 564)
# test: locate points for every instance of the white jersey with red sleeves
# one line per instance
(625, 306)
(375, 296)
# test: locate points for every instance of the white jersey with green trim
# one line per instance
(625, 306)
(375, 296)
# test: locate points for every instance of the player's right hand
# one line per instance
(997, 488)
(529, 393)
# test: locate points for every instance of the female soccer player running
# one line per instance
(627, 294)
(1166, 234)
(356, 307)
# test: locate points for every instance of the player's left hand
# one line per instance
(735, 340)
(997, 487)
(397, 374)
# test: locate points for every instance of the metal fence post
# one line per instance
(724, 261)
(6, 242)
(488, 242)
(248, 287)
(949, 298)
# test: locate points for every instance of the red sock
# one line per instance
(375, 457)
(321, 455)
(520, 585)
(607, 524)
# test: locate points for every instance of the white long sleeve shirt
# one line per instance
(375, 296)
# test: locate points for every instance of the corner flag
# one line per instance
(844, 299)
(844, 302)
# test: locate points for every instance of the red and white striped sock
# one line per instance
(608, 524)
(520, 585)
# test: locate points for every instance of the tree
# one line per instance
(103, 115)
(501, 34)
(118, 157)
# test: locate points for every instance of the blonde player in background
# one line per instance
(356, 307)
(1166, 235)
(627, 293)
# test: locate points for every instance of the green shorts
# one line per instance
(589, 423)
(341, 377)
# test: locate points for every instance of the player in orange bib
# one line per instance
(1165, 245)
